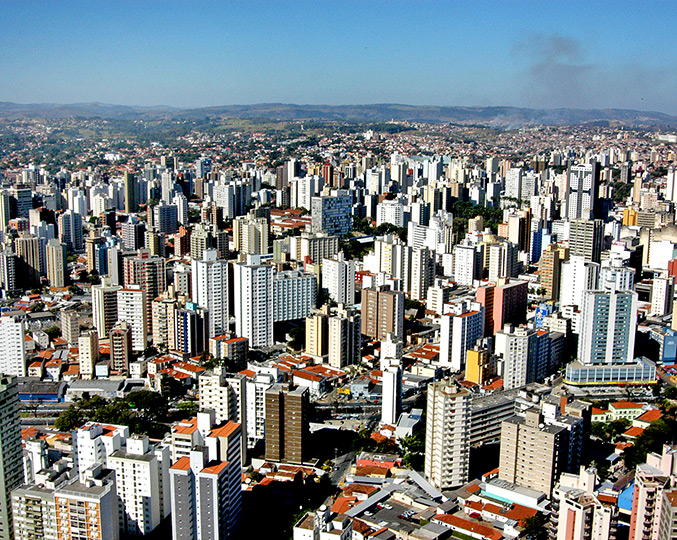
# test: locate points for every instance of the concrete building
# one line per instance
(391, 402)
(210, 289)
(254, 303)
(422, 273)
(104, 306)
(294, 295)
(287, 423)
(121, 346)
(344, 344)
(56, 263)
(662, 296)
(585, 239)
(11, 464)
(447, 434)
(535, 449)
(458, 333)
(88, 349)
(131, 307)
(332, 215)
(382, 312)
(338, 279)
(505, 302)
(13, 350)
(149, 273)
(578, 276)
(582, 191)
(251, 235)
(70, 326)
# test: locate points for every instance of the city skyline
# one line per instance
(208, 54)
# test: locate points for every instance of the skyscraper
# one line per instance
(585, 238)
(56, 263)
(104, 306)
(447, 433)
(70, 230)
(131, 195)
(332, 215)
(121, 346)
(148, 272)
(391, 403)
(11, 463)
(581, 194)
(338, 279)
(132, 309)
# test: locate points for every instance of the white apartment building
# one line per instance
(294, 295)
(459, 332)
(338, 278)
(94, 442)
(254, 303)
(392, 395)
(88, 348)
(210, 289)
(132, 310)
(13, 350)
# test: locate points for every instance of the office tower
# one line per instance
(294, 295)
(70, 326)
(191, 329)
(608, 326)
(130, 193)
(205, 488)
(586, 237)
(550, 266)
(578, 276)
(317, 335)
(345, 337)
(165, 218)
(503, 261)
(338, 279)
(662, 295)
(525, 354)
(458, 333)
(133, 234)
(251, 235)
(88, 508)
(447, 433)
(88, 349)
(210, 289)
(141, 473)
(70, 230)
(21, 200)
(480, 366)
(578, 512)
(519, 230)
(287, 423)
(31, 260)
(581, 194)
(254, 303)
(56, 263)
(181, 204)
(121, 346)
(422, 273)
(504, 303)
(11, 464)
(132, 309)
(391, 402)
(104, 306)
(332, 215)
(390, 211)
(382, 312)
(148, 272)
(536, 449)
(466, 264)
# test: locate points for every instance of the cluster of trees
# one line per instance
(652, 439)
(143, 411)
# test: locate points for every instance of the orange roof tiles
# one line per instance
(625, 405)
(216, 468)
(225, 431)
(651, 416)
(182, 464)
(634, 431)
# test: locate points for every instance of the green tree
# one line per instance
(535, 527)
(413, 448)
(151, 405)
(70, 419)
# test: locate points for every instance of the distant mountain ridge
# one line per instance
(501, 117)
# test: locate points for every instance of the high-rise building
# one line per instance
(459, 332)
(251, 235)
(480, 366)
(525, 353)
(422, 273)
(391, 402)
(287, 423)
(133, 234)
(132, 309)
(56, 263)
(70, 230)
(503, 303)
(121, 346)
(253, 285)
(30, 248)
(104, 306)
(235, 349)
(586, 237)
(131, 195)
(294, 295)
(11, 464)
(148, 272)
(344, 343)
(165, 218)
(13, 350)
(447, 434)
(163, 311)
(317, 335)
(338, 279)
(662, 295)
(70, 326)
(550, 266)
(582, 191)
(333, 214)
(608, 327)
(382, 312)
(88, 349)
(503, 261)
(536, 449)
(141, 476)
(578, 276)
(191, 329)
(210, 290)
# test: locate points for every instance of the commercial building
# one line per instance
(294, 295)
(332, 215)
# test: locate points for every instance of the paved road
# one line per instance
(341, 465)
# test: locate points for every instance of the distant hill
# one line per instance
(491, 116)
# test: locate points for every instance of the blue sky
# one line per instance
(193, 53)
